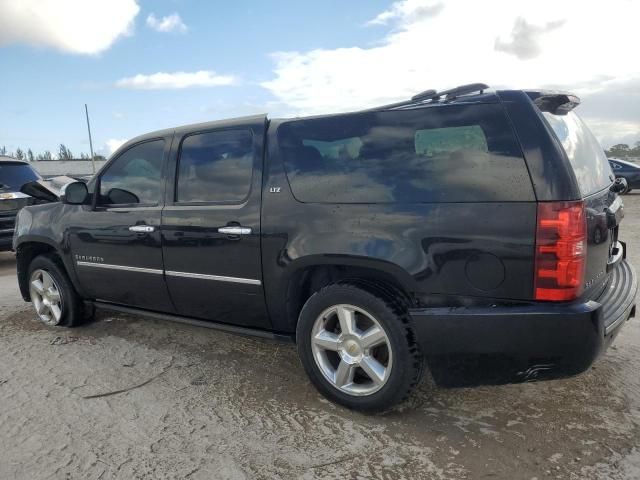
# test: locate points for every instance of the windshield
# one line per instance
(14, 175)
(587, 157)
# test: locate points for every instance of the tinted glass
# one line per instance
(587, 158)
(437, 154)
(15, 175)
(215, 167)
(135, 176)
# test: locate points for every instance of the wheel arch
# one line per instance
(379, 278)
(28, 249)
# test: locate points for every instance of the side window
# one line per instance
(215, 167)
(615, 166)
(135, 177)
(435, 154)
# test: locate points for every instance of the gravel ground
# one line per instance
(196, 403)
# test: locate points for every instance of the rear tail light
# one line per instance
(561, 248)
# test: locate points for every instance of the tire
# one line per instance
(48, 281)
(346, 364)
(627, 189)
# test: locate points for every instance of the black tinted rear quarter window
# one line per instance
(215, 167)
(453, 153)
(14, 175)
(589, 162)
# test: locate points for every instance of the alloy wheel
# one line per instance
(46, 297)
(352, 350)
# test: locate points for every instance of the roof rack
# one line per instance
(434, 96)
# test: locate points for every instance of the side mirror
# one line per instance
(619, 186)
(74, 193)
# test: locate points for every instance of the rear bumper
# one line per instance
(569, 336)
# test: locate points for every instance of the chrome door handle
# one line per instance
(141, 228)
(235, 230)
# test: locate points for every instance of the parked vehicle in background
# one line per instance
(13, 175)
(627, 170)
(463, 222)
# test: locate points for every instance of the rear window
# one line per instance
(438, 154)
(587, 157)
(15, 175)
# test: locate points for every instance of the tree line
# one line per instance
(64, 153)
(622, 150)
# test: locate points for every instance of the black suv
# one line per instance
(463, 222)
(13, 175)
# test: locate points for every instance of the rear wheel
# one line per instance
(52, 294)
(626, 189)
(358, 348)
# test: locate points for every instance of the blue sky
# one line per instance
(44, 90)
(291, 57)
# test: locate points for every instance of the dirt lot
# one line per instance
(203, 404)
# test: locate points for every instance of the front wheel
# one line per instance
(357, 348)
(52, 294)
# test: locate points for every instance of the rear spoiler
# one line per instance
(558, 103)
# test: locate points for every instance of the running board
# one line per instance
(223, 327)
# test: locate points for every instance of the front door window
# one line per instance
(135, 177)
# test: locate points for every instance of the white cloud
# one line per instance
(587, 47)
(162, 80)
(75, 26)
(610, 132)
(525, 39)
(113, 144)
(170, 23)
(409, 10)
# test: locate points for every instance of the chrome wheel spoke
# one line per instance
(41, 308)
(54, 296)
(46, 280)
(37, 286)
(327, 340)
(374, 369)
(347, 319)
(344, 374)
(55, 311)
(373, 337)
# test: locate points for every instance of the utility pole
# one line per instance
(93, 159)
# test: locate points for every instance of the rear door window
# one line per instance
(589, 162)
(437, 154)
(215, 167)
